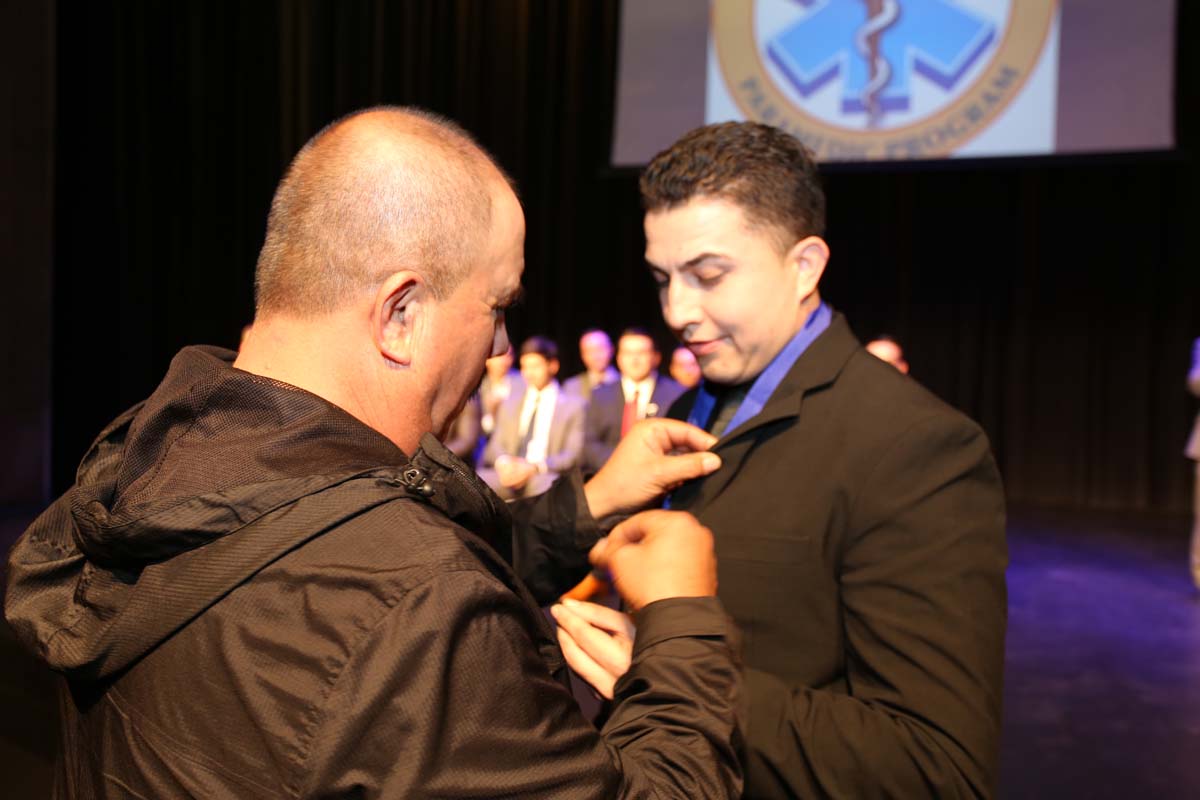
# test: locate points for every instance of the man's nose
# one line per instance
(679, 306)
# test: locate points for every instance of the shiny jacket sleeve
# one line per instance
(448, 697)
(924, 605)
(552, 534)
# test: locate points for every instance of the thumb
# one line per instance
(598, 552)
(674, 470)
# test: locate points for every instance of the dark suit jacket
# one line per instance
(859, 526)
(563, 451)
(602, 428)
(581, 386)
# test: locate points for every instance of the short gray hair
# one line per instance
(377, 191)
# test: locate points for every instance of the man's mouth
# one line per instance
(703, 347)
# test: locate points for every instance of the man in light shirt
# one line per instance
(538, 434)
(640, 393)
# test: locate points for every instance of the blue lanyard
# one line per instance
(768, 380)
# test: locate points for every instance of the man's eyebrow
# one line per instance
(700, 259)
(691, 263)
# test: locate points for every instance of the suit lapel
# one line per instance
(816, 368)
(555, 442)
(659, 397)
(511, 432)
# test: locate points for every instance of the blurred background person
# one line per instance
(640, 393)
(499, 381)
(885, 348)
(465, 431)
(684, 369)
(538, 433)
(596, 352)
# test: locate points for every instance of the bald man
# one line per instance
(271, 579)
(596, 352)
(888, 350)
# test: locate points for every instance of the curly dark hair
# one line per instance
(767, 172)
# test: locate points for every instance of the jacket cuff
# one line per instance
(568, 508)
(681, 616)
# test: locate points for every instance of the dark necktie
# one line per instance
(528, 435)
(727, 405)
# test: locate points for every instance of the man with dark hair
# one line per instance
(859, 521)
(640, 393)
(596, 352)
(271, 580)
(539, 433)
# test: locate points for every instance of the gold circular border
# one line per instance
(1024, 40)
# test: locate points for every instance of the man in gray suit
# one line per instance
(596, 352)
(539, 434)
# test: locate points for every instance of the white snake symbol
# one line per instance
(881, 14)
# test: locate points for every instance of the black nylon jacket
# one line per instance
(251, 594)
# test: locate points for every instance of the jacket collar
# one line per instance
(818, 367)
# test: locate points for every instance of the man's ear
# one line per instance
(396, 316)
(808, 257)
(552, 366)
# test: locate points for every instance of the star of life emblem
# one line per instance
(865, 76)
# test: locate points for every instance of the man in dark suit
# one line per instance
(539, 433)
(640, 393)
(859, 521)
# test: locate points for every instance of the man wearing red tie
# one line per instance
(616, 406)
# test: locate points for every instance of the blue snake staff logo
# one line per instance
(862, 78)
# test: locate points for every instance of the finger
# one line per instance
(682, 436)
(599, 552)
(627, 532)
(634, 529)
(610, 653)
(585, 667)
(602, 617)
(675, 470)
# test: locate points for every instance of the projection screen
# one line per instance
(867, 80)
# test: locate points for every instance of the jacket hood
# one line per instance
(188, 494)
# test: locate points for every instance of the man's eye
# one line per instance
(709, 278)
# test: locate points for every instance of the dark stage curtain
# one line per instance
(1055, 302)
